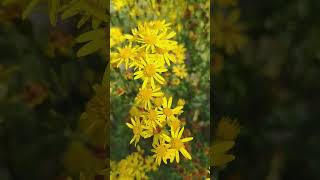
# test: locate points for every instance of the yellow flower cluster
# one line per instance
(134, 166)
(149, 51)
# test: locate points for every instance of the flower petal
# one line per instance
(180, 132)
(129, 125)
(187, 139)
(170, 102)
(185, 153)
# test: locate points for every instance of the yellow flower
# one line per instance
(134, 166)
(116, 36)
(160, 25)
(227, 129)
(150, 164)
(119, 4)
(181, 102)
(179, 52)
(152, 38)
(165, 55)
(134, 111)
(175, 123)
(135, 11)
(137, 129)
(140, 56)
(153, 118)
(218, 153)
(155, 132)
(166, 110)
(180, 71)
(157, 101)
(146, 95)
(162, 152)
(228, 32)
(175, 81)
(150, 72)
(125, 55)
(177, 144)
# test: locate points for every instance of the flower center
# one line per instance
(175, 124)
(150, 70)
(136, 130)
(125, 53)
(158, 101)
(161, 51)
(149, 39)
(168, 112)
(176, 143)
(152, 115)
(145, 94)
(161, 150)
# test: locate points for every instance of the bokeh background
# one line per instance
(271, 85)
(44, 91)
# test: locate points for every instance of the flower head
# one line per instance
(180, 71)
(149, 72)
(177, 144)
(153, 118)
(162, 152)
(137, 129)
(166, 110)
(146, 95)
(150, 38)
(125, 55)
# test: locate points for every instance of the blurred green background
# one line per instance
(44, 89)
(272, 87)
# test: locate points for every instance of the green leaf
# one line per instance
(88, 36)
(71, 9)
(91, 47)
(29, 8)
(218, 156)
(222, 159)
(97, 40)
(53, 11)
(222, 147)
(95, 23)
